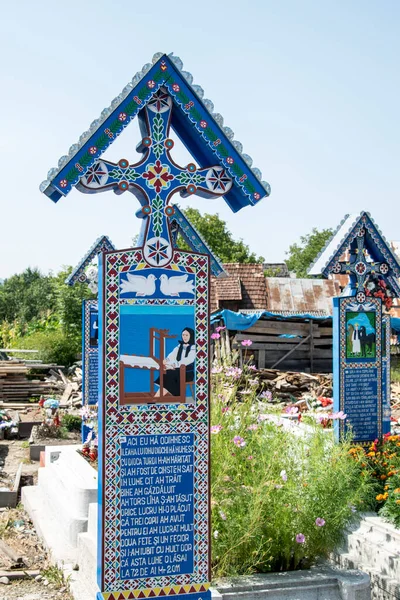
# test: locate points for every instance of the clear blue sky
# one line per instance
(311, 88)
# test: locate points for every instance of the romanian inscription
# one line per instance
(156, 500)
(361, 402)
(93, 377)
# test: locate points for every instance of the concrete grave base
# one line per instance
(319, 583)
(374, 547)
(59, 504)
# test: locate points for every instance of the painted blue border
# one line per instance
(101, 409)
(205, 143)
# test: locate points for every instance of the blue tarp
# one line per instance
(240, 321)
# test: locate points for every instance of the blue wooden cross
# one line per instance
(155, 179)
(358, 267)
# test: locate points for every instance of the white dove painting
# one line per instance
(143, 286)
(176, 285)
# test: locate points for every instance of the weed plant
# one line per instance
(282, 492)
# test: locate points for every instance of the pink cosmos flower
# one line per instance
(239, 441)
(253, 381)
(222, 515)
(300, 538)
(320, 522)
(267, 395)
(292, 410)
(247, 343)
(262, 418)
(250, 457)
(215, 370)
(252, 427)
(218, 329)
(224, 409)
(215, 428)
(252, 367)
(215, 336)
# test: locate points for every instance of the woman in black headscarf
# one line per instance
(183, 354)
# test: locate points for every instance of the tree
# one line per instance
(220, 240)
(301, 256)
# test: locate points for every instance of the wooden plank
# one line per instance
(5, 549)
(261, 359)
(278, 327)
(311, 348)
(290, 352)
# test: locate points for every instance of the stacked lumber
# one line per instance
(286, 385)
(18, 384)
(69, 385)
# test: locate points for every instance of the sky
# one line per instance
(310, 88)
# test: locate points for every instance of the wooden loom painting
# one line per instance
(157, 363)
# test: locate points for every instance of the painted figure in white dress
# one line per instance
(355, 341)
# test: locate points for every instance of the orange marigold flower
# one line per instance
(379, 497)
(383, 477)
(386, 487)
(397, 501)
(397, 491)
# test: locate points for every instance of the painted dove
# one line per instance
(175, 285)
(143, 286)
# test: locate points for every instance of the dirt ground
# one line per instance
(19, 535)
(23, 589)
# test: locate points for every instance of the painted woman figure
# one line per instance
(183, 354)
(356, 343)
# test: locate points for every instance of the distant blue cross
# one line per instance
(358, 267)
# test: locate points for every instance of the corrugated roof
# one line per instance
(286, 295)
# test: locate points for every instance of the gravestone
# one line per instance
(85, 272)
(386, 411)
(154, 531)
(361, 332)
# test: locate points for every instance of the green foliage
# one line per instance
(54, 346)
(71, 422)
(270, 485)
(41, 312)
(301, 256)
(215, 233)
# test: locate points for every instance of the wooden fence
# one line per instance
(309, 351)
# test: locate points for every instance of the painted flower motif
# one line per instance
(320, 522)
(215, 336)
(203, 124)
(63, 183)
(158, 176)
(151, 84)
(230, 160)
(256, 196)
(283, 475)
(92, 150)
(215, 428)
(239, 441)
(122, 117)
(300, 538)
(247, 343)
(176, 87)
